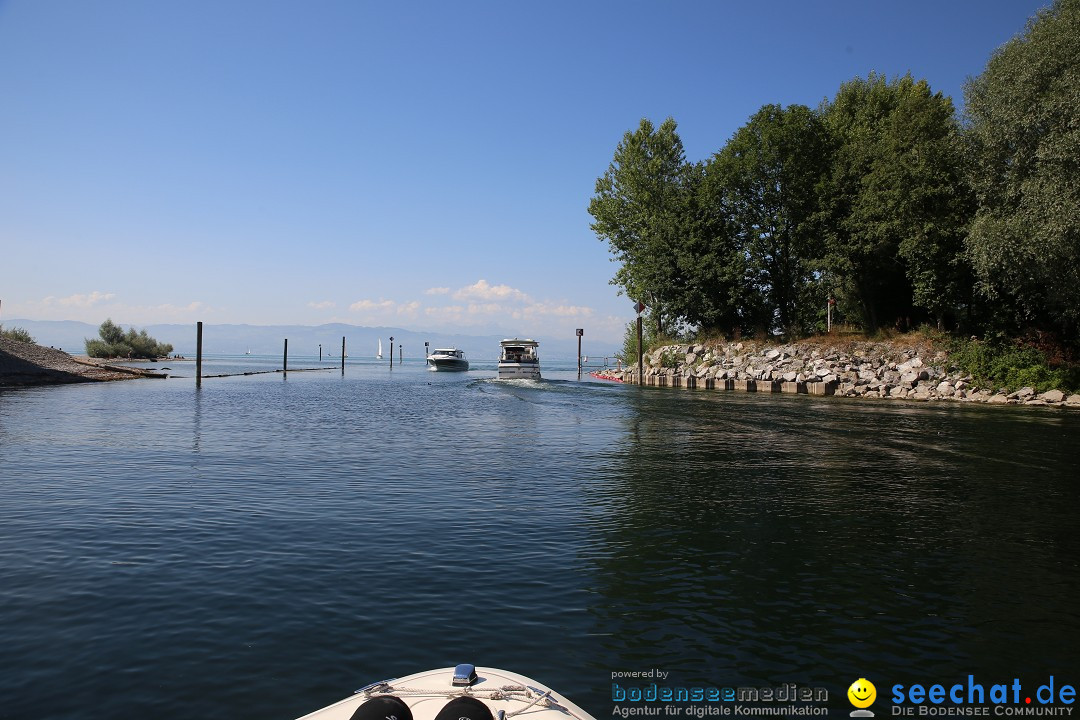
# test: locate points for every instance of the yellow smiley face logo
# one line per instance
(862, 693)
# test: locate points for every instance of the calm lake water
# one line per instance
(263, 546)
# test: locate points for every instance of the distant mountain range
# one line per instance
(304, 340)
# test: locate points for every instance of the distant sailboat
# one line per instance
(248, 351)
(379, 356)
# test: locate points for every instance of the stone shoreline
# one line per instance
(27, 364)
(854, 368)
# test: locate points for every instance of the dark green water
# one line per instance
(262, 547)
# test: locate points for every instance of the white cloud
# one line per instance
(455, 315)
(485, 309)
(483, 290)
(96, 306)
(80, 301)
(385, 311)
(369, 305)
(450, 313)
(490, 306)
(565, 311)
(166, 312)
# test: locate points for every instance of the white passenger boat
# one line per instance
(447, 359)
(519, 360)
(464, 692)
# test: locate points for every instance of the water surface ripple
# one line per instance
(259, 548)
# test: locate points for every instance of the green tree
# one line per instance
(115, 343)
(711, 265)
(639, 209)
(1024, 144)
(894, 208)
(766, 179)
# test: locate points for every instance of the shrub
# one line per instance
(16, 333)
(115, 343)
(671, 357)
(1009, 364)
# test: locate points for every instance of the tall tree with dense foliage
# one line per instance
(1024, 142)
(712, 264)
(640, 209)
(766, 177)
(894, 209)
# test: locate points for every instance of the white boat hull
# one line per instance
(519, 371)
(427, 692)
(448, 364)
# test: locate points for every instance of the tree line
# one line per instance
(883, 197)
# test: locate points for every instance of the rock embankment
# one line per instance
(29, 364)
(850, 369)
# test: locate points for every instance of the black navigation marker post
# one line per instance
(425, 349)
(398, 353)
(342, 354)
(391, 352)
(285, 358)
(580, 332)
(640, 307)
(198, 354)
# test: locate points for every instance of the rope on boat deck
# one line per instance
(506, 692)
(545, 697)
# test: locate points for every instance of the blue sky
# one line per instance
(426, 165)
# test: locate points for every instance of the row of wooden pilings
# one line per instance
(284, 360)
(762, 386)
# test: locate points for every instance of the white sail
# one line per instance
(379, 356)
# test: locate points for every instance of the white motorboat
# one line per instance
(519, 360)
(464, 692)
(450, 359)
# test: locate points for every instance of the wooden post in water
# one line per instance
(342, 354)
(198, 355)
(398, 353)
(391, 352)
(320, 353)
(285, 359)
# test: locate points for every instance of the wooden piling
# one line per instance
(198, 355)
(285, 358)
(342, 354)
